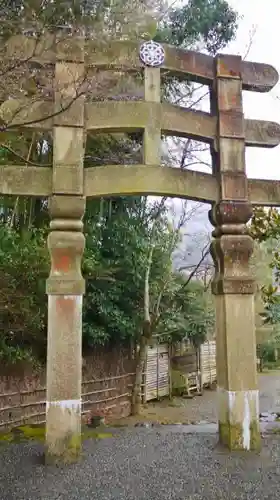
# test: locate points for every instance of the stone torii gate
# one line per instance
(67, 185)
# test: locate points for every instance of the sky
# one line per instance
(258, 36)
(259, 31)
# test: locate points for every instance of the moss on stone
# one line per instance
(71, 445)
(224, 433)
(6, 438)
(23, 433)
(255, 436)
(231, 435)
(69, 451)
(34, 432)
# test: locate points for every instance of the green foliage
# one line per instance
(114, 252)
(133, 17)
(200, 321)
(24, 267)
(189, 312)
(116, 257)
(272, 311)
(267, 353)
(211, 22)
(120, 232)
(265, 229)
(265, 224)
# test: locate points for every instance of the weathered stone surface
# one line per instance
(255, 76)
(264, 192)
(233, 284)
(227, 132)
(28, 181)
(157, 180)
(65, 285)
(112, 116)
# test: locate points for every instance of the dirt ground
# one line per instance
(204, 408)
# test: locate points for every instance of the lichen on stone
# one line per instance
(37, 433)
(231, 435)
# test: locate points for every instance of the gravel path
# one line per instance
(204, 408)
(269, 386)
(145, 465)
(152, 464)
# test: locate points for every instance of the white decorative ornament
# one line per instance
(152, 54)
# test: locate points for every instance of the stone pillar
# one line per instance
(233, 285)
(65, 286)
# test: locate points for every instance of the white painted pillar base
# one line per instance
(63, 431)
(239, 427)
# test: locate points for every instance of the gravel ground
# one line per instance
(204, 408)
(152, 464)
(269, 386)
(145, 464)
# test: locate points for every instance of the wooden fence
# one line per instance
(99, 395)
(208, 366)
(186, 365)
(111, 395)
(195, 367)
(157, 373)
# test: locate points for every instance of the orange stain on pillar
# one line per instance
(61, 262)
(65, 306)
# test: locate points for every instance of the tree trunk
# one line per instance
(137, 388)
(145, 335)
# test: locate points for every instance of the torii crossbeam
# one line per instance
(70, 115)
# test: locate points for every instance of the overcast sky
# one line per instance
(258, 36)
(260, 24)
